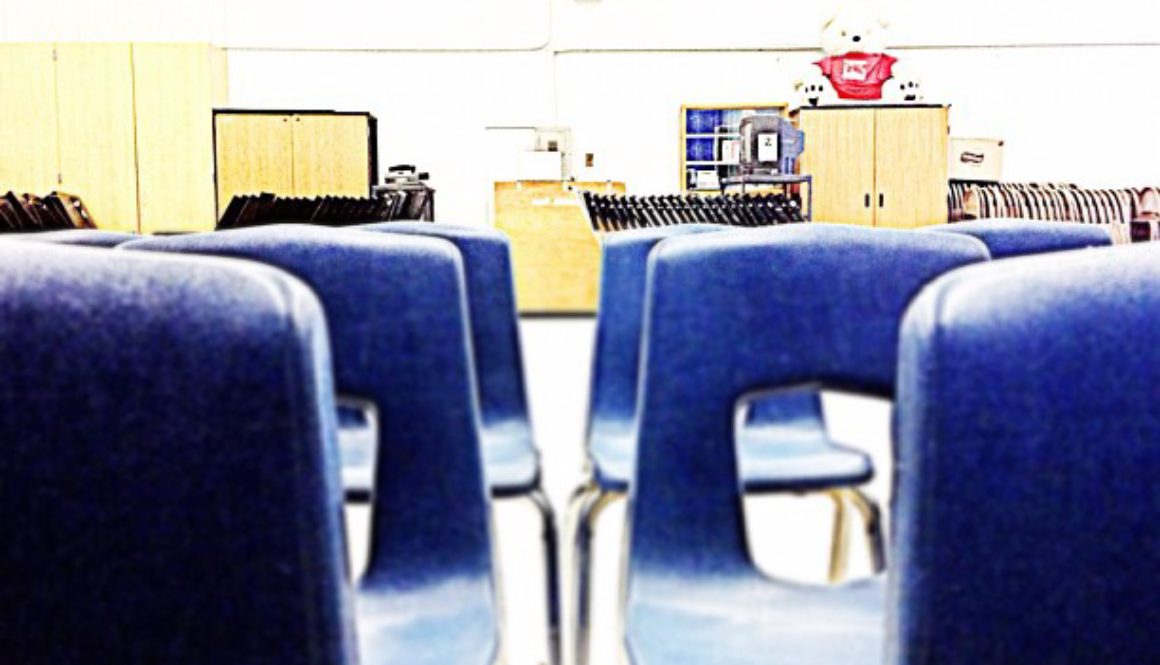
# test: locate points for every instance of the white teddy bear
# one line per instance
(904, 88)
(854, 42)
(815, 90)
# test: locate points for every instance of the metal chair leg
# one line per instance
(552, 569)
(578, 508)
(840, 543)
(872, 521)
(587, 504)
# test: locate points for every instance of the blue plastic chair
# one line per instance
(1026, 503)
(84, 237)
(511, 461)
(1006, 238)
(694, 594)
(142, 395)
(400, 340)
(784, 446)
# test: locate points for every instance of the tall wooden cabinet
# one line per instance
(294, 153)
(127, 127)
(877, 166)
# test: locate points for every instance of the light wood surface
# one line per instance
(840, 156)
(176, 87)
(98, 159)
(29, 153)
(255, 154)
(554, 249)
(330, 155)
(219, 63)
(911, 175)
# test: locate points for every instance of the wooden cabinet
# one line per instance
(877, 166)
(177, 87)
(555, 252)
(127, 127)
(294, 153)
(98, 149)
(29, 152)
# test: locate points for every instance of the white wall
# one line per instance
(1069, 89)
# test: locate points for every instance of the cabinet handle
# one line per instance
(881, 200)
(867, 200)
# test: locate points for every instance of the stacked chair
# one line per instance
(265, 209)
(166, 487)
(400, 339)
(1115, 209)
(511, 461)
(184, 417)
(690, 572)
(617, 212)
(784, 446)
(27, 213)
(1024, 470)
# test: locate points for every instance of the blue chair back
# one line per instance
(142, 396)
(827, 313)
(1007, 238)
(495, 332)
(1027, 500)
(85, 237)
(620, 318)
(399, 336)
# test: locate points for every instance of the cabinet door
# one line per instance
(255, 154)
(912, 167)
(839, 155)
(175, 86)
(331, 155)
(97, 146)
(28, 140)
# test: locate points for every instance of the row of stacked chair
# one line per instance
(253, 377)
(1005, 408)
(1130, 214)
(230, 388)
(265, 209)
(28, 213)
(618, 212)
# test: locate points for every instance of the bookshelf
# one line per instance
(710, 145)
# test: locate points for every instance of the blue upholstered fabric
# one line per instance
(85, 237)
(395, 308)
(1027, 501)
(619, 329)
(827, 315)
(1006, 238)
(509, 451)
(168, 483)
(784, 444)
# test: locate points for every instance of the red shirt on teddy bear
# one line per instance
(858, 75)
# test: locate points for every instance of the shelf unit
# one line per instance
(711, 141)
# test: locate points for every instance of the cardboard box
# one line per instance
(976, 159)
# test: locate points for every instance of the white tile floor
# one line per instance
(790, 536)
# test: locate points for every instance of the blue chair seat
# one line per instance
(450, 624)
(775, 458)
(356, 450)
(783, 458)
(511, 462)
(740, 621)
